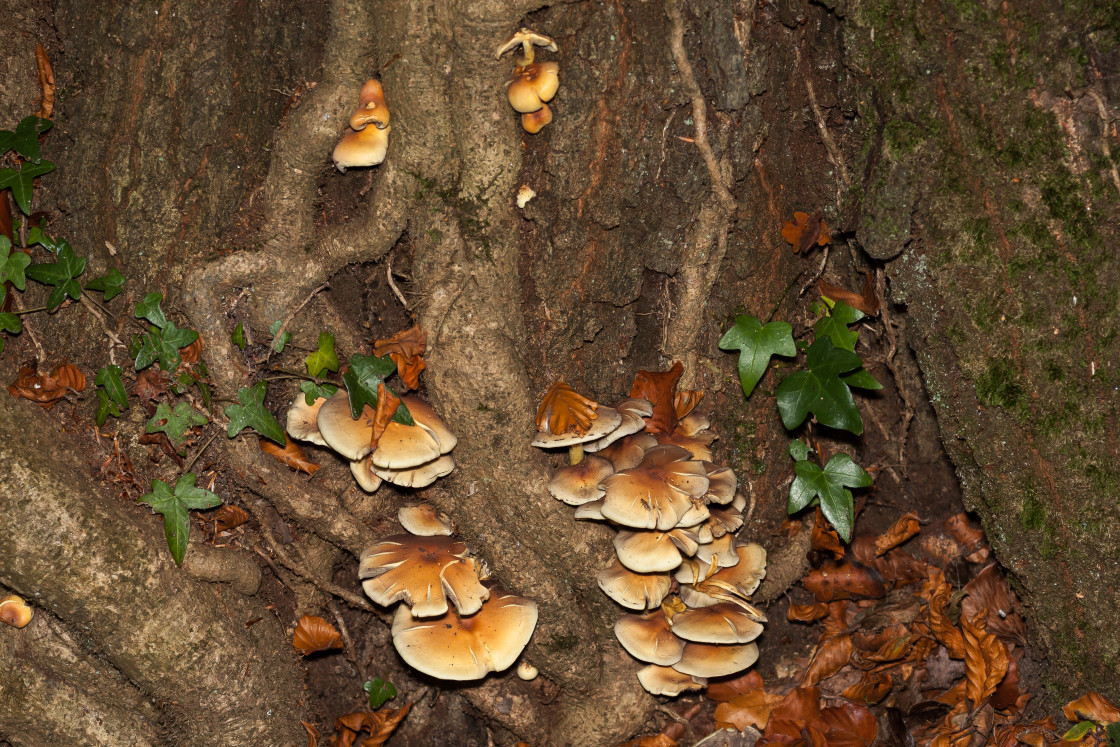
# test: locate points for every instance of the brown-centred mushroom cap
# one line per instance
(400, 446)
(532, 85)
(723, 520)
(722, 484)
(656, 493)
(363, 473)
(372, 108)
(15, 612)
(714, 660)
(577, 484)
(648, 638)
(466, 648)
(718, 623)
(534, 122)
(627, 452)
(653, 551)
(633, 412)
(424, 521)
(415, 477)
(366, 147)
(423, 414)
(692, 571)
(302, 420)
(636, 591)
(744, 577)
(424, 572)
(667, 681)
(699, 450)
(692, 424)
(720, 551)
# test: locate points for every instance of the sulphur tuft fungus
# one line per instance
(367, 139)
(15, 612)
(533, 83)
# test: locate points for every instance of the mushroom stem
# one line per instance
(575, 453)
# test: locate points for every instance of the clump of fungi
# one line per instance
(533, 83)
(678, 561)
(450, 625)
(362, 144)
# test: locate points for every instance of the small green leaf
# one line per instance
(252, 413)
(150, 309)
(12, 264)
(313, 391)
(278, 342)
(756, 344)
(380, 692)
(174, 505)
(835, 326)
(860, 379)
(820, 390)
(1112, 731)
(176, 423)
(238, 336)
(10, 323)
(22, 182)
(324, 358)
(25, 139)
(111, 284)
(163, 345)
(105, 408)
(361, 379)
(1078, 731)
(109, 378)
(799, 450)
(830, 487)
(62, 274)
(200, 382)
(54, 246)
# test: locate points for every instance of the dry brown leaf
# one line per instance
(659, 389)
(46, 83)
(192, 353)
(380, 726)
(834, 581)
(837, 620)
(657, 740)
(47, 389)
(291, 454)
(806, 230)
(849, 725)
(685, 402)
(150, 384)
(1092, 707)
(315, 634)
(985, 660)
(989, 590)
(563, 409)
(971, 538)
(749, 709)
(871, 689)
(902, 530)
(866, 300)
(944, 631)
(1007, 695)
(824, 537)
(387, 404)
(807, 613)
(406, 349)
(312, 734)
(796, 716)
(228, 517)
(728, 689)
(831, 656)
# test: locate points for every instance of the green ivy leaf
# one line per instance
(278, 342)
(860, 379)
(313, 391)
(829, 486)
(835, 326)
(22, 182)
(799, 450)
(324, 358)
(111, 284)
(25, 139)
(62, 274)
(150, 309)
(238, 336)
(380, 692)
(252, 413)
(109, 378)
(105, 408)
(361, 379)
(12, 265)
(163, 345)
(201, 373)
(51, 244)
(174, 505)
(756, 343)
(820, 390)
(176, 423)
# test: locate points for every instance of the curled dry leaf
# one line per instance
(971, 538)
(1092, 707)
(150, 384)
(228, 517)
(291, 454)
(728, 689)
(380, 726)
(902, 530)
(47, 389)
(387, 404)
(315, 634)
(989, 590)
(845, 580)
(46, 82)
(192, 353)
(985, 660)
(825, 538)
(685, 401)
(1007, 696)
(806, 230)
(657, 740)
(866, 300)
(871, 689)
(831, 656)
(406, 349)
(659, 388)
(312, 734)
(564, 409)
(807, 613)
(849, 725)
(749, 709)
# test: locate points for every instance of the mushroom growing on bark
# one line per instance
(532, 83)
(363, 145)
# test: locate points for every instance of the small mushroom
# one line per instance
(627, 452)
(302, 420)
(667, 681)
(424, 521)
(722, 483)
(534, 122)
(567, 418)
(526, 39)
(526, 671)
(400, 446)
(577, 484)
(424, 572)
(656, 493)
(15, 612)
(633, 412)
(362, 145)
(713, 660)
(653, 552)
(648, 638)
(533, 83)
(415, 477)
(718, 623)
(636, 591)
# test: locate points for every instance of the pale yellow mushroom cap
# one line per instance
(533, 85)
(424, 572)
(534, 122)
(711, 660)
(302, 419)
(366, 147)
(15, 612)
(424, 521)
(648, 638)
(666, 681)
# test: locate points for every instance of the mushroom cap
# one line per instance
(648, 638)
(744, 577)
(534, 122)
(721, 551)
(627, 453)
(699, 450)
(656, 493)
(606, 420)
(667, 681)
(592, 510)
(696, 599)
(633, 412)
(367, 479)
(722, 483)
(532, 85)
(424, 572)
(15, 612)
(577, 484)
(424, 521)
(695, 515)
(372, 108)
(302, 420)
(717, 623)
(365, 147)
(721, 521)
(692, 571)
(653, 552)
(400, 446)
(423, 414)
(691, 424)
(714, 660)
(636, 591)
(466, 648)
(415, 477)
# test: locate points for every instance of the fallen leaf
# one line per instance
(902, 530)
(380, 726)
(291, 454)
(971, 538)
(387, 404)
(849, 725)
(228, 517)
(871, 689)
(406, 349)
(834, 581)
(1093, 707)
(985, 660)
(806, 230)
(685, 401)
(192, 353)
(658, 388)
(837, 620)
(831, 656)
(943, 630)
(315, 634)
(989, 590)
(1006, 697)
(728, 689)
(866, 300)
(797, 714)
(150, 384)
(47, 389)
(807, 612)
(657, 740)
(749, 709)
(824, 537)
(46, 83)
(312, 734)
(563, 409)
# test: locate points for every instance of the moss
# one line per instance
(1033, 514)
(903, 136)
(1054, 370)
(998, 387)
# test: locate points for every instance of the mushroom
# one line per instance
(667, 681)
(363, 145)
(15, 612)
(633, 412)
(527, 671)
(534, 122)
(567, 418)
(656, 493)
(577, 484)
(424, 521)
(648, 638)
(717, 623)
(302, 420)
(653, 552)
(400, 446)
(714, 660)
(451, 647)
(627, 452)
(415, 477)
(424, 572)
(722, 483)
(636, 591)
(533, 83)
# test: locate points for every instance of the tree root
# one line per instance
(222, 565)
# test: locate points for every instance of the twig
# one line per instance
(92, 306)
(42, 355)
(903, 391)
(392, 285)
(194, 459)
(829, 143)
(820, 271)
(350, 652)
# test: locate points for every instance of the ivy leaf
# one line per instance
(860, 379)
(12, 264)
(22, 182)
(51, 244)
(174, 506)
(175, 423)
(820, 390)
(150, 309)
(8, 323)
(380, 692)
(756, 344)
(252, 413)
(163, 345)
(62, 274)
(829, 486)
(238, 336)
(278, 343)
(324, 358)
(313, 391)
(799, 450)
(835, 326)
(109, 378)
(110, 284)
(105, 408)
(361, 379)
(25, 139)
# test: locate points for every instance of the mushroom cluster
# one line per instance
(678, 560)
(362, 145)
(533, 83)
(450, 625)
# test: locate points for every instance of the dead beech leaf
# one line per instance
(312, 734)
(406, 349)
(46, 82)
(1092, 707)
(902, 530)
(806, 230)
(47, 389)
(728, 689)
(658, 388)
(971, 538)
(837, 620)
(866, 300)
(685, 401)
(380, 726)
(807, 613)
(192, 353)
(824, 538)
(749, 709)
(849, 725)
(985, 660)
(563, 409)
(291, 454)
(315, 634)
(989, 590)
(1006, 697)
(387, 404)
(150, 384)
(798, 713)
(833, 581)
(831, 656)
(871, 689)
(228, 517)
